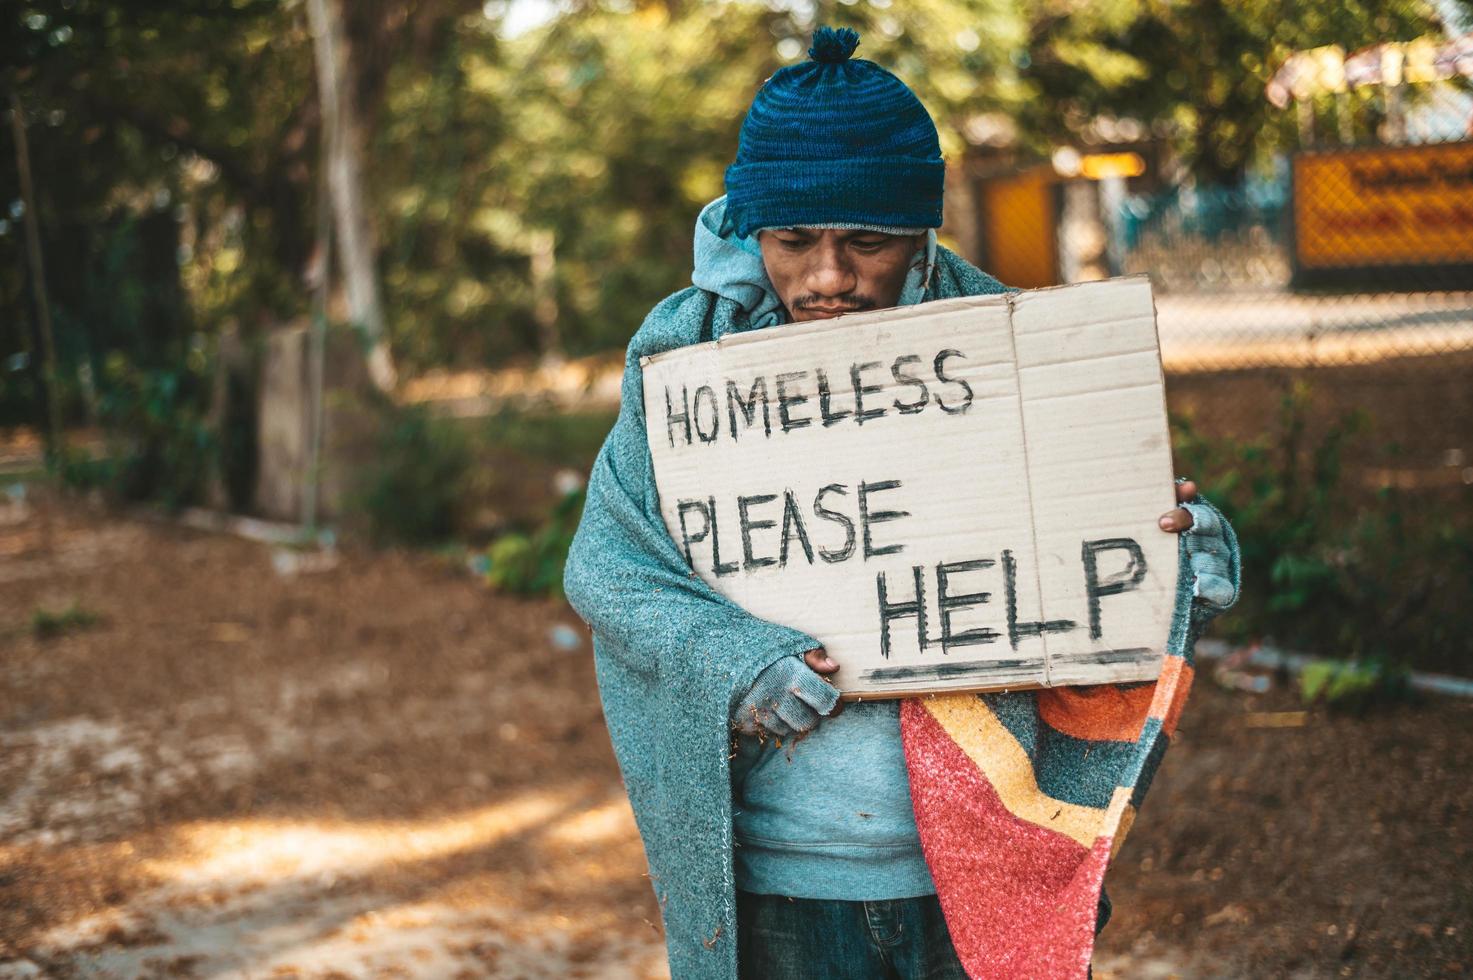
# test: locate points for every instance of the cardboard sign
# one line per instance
(960, 495)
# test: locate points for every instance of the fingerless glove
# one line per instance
(787, 698)
(1208, 553)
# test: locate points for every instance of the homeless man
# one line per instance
(824, 843)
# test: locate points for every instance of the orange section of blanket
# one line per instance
(1115, 711)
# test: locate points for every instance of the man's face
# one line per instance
(822, 272)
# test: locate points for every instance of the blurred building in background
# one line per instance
(1343, 263)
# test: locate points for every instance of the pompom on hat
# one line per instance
(836, 141)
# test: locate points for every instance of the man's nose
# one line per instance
(831, 273)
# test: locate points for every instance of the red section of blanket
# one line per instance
(1020, 900)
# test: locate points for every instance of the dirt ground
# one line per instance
(381, 769)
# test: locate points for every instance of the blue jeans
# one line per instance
(780, 938)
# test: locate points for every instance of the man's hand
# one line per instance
(819, 661)
(1207, 547)
(789, 697)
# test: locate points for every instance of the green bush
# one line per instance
(532, 564)
(413, 490)
(1354, 685)
(1330, 568)
(48, 624)
(158, 444)
(560, 438)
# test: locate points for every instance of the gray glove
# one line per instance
(786, 699)
(1208, 553)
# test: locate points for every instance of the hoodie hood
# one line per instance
(731, 266)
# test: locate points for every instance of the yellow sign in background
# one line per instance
(1394, 206)
(1019, 224)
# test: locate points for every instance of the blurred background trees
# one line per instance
(176, 145)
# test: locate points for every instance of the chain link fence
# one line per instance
(1348, 280)
(1335, 290)
(1316, 326)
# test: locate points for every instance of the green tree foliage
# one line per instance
(1192, 70)
(629, 120)
(144, 106)
(176, 145)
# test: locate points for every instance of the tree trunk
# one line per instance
(544, 292)
(38, 281)
(345, 185)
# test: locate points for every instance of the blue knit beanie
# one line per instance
(837, 142)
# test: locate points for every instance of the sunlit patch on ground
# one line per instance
(270, 851)
(278, 898)
(308, 897)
